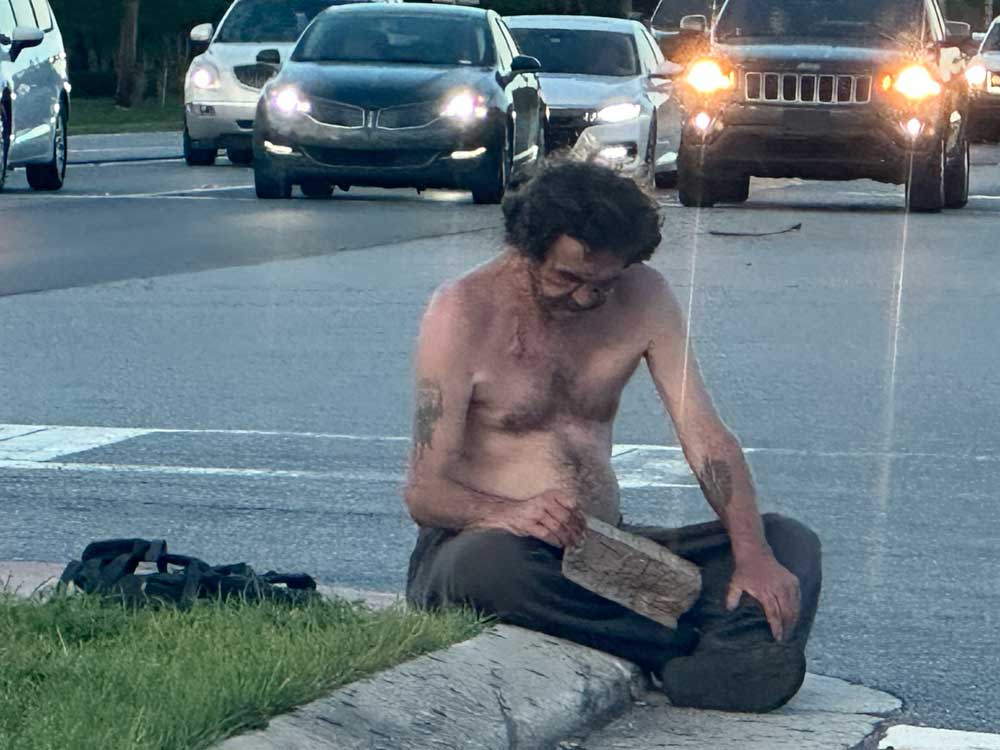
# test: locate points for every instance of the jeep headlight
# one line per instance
(619, 112)
(916, 83)
(706, 77)
(976, 75)
(204, 76)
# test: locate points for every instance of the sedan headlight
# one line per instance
(976, 75)
(204, 76)
(289, 100)
(619, 112)
(706, 77)
(465, 106)
(916, 83)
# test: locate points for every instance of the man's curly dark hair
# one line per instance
(593, 204)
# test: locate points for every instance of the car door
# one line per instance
(523, 91)
(662, 93)
(30, 126)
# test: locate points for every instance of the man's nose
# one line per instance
(589, 296)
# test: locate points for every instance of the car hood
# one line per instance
(373, 86)
(808, 57)
(231, 55)
(570, 90)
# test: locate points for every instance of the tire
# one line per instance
(4, 142)
(241, 157)
(925, 188)
(666, 180)
(317, 189)
(51, 176)
(735, 190)
(492, 183)
(198, 157)
(268, 185)
(956, 176)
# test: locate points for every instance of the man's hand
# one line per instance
(771, 584)
(554, 517)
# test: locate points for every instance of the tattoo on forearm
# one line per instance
(430, 407)
(716, 480)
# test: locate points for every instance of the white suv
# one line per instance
(223, 84)
(34, 94)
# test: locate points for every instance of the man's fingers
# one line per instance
(790, 607)
(775, 618)
(565, 500)
(542, 533)
(733, 597)
(557, 530)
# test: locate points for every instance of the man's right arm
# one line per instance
(445, 383)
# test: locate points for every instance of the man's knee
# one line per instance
(485, 570)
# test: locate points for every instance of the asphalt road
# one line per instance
(248, 364)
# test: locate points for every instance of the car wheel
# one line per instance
(735, 190)
(240, 156)
(925, 187)
(198, 157)
(956, 176)
(317, 189)
(52, 175)
(268, 185)
(4, 142)
(491, 184)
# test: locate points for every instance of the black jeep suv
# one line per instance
(829, 90)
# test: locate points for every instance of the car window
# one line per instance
(7, 23)
(23, 13)
(511, 42)
(881, 20)
(992, 42)
(646, 56)
(657, 52)
(394, 37)
(572, 51)
(269, 21)
(42, 14)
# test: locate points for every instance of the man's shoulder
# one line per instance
(644, 286)
(463, 303)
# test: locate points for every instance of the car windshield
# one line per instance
(270, 20)
(396, 38)
(890, 19)
(592, 53)
(669, 13)
(992, 42)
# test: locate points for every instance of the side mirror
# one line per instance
(957, 33)
(202, 33)
(525, 64)
(269, 57)
(23, 38)
(694, 24)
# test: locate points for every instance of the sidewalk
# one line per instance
(513, 689)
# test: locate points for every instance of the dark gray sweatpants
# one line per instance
(714, 658)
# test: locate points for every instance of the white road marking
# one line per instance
(924, 738)
(113, 149)
(39, 443)
(135, 163)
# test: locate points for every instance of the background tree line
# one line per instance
(133, 49)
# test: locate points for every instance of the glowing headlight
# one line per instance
(465, 107)
(204, 76)
(976, 75)
(619, 112)
(706, 77)
(289, 100)
(915, 82)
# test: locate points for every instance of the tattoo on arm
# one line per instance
(716, 480)
(430, 407)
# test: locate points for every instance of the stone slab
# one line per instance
(905, 737)
(828, 714)
(507, 688)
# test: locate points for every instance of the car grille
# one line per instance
(565, 127)
(337, 114)
(409, 116)
(342, 157)
(254, 76)
(808, 88)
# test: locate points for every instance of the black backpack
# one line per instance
(109, 567)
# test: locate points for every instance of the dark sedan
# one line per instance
(419, 96)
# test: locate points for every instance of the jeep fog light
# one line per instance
(702, 121)
(914, 128)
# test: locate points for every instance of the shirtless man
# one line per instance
(520, 367)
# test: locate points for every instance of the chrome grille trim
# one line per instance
(409, 116)
(333, 114)
(807, 88)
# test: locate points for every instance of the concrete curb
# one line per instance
(506, 689)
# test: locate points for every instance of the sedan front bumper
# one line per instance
(215, 124)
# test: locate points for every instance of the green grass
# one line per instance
(91, 116)
(76, 674)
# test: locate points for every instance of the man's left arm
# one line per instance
(716, 457)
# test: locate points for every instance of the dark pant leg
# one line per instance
(519, 580)
(737, 665)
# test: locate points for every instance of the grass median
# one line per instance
(78, 673)
(97, 116)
